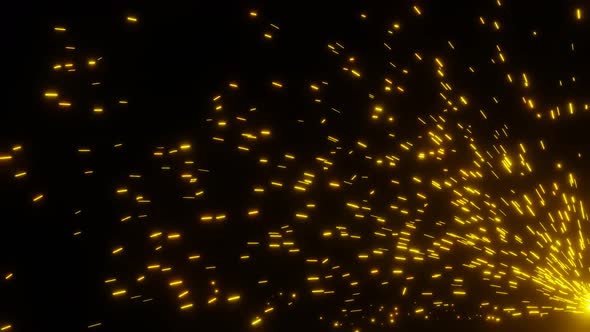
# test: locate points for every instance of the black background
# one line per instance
(169, 66)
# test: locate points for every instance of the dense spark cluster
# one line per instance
(370, 193)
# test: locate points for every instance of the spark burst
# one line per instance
(369, 192)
